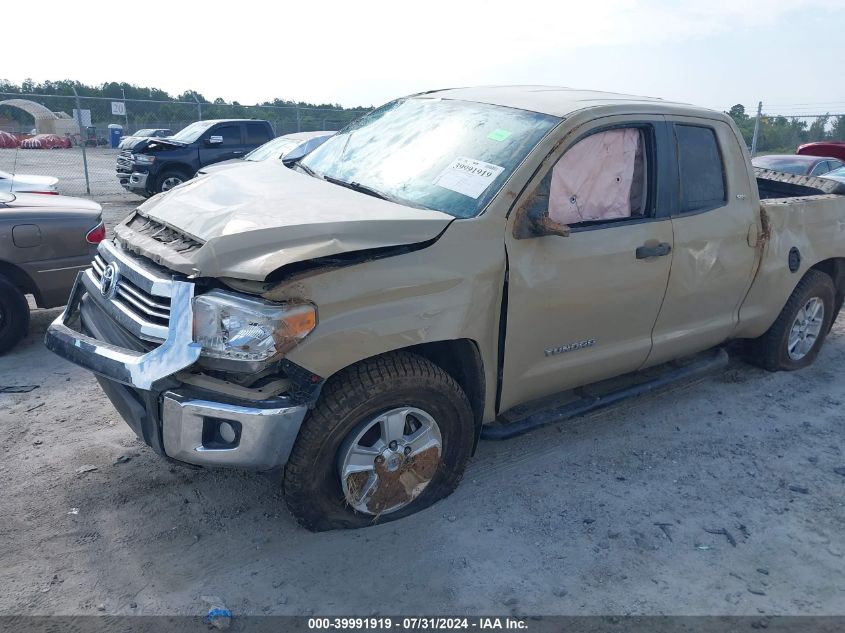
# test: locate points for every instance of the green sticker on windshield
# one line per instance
(498, 135)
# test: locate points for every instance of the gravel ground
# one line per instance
(720, 497)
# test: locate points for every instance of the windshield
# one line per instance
(144, 133)
(452, 156)
(276, 148)
(837, 174)
(192, 132)
(788, 164)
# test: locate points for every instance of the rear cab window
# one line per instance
(257, 134)
(701, 169)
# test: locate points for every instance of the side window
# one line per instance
(602, 178)
(231, 135)
(822, 167)
(256, 134)
(700, 168)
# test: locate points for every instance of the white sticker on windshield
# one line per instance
(468, 176)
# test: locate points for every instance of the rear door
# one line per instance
(581, 308)
(712, 219)
(222, 142)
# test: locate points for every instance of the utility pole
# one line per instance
(756, 129)
(199, 108)
(125, 111)
(82, 141)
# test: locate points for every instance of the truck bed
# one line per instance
(777, 184)
(798, 230)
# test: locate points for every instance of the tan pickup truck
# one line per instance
(454, 264)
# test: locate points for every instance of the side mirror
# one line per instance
(531, 222)
(214, 140)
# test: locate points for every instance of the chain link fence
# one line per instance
(73, 138)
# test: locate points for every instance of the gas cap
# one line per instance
(26, 235)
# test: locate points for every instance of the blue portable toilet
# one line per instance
(115, 132)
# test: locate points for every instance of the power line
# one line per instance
(811, 103)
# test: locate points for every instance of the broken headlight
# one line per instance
(234, 327)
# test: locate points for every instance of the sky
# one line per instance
(716, 53)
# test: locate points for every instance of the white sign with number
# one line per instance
(468, 176)
(118, 108)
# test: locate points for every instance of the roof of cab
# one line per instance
(554, 100)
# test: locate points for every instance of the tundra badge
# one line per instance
(571, 347)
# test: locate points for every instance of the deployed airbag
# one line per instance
(592, 180)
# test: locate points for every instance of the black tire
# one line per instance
(167, 177)
(771, 351)
(14, 315)
(311, 480)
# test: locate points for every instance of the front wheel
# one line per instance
(169, 180)
(14, 315)
(796, 337)
(389, 437)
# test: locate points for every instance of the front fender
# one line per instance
(450, 290)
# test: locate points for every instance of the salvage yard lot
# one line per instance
(625, 511)
(67, 166)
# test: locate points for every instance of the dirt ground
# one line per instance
(720, 497)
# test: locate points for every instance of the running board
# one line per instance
(502, 429)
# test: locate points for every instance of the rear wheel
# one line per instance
(14, 315)
(796, 337)
(389, 437)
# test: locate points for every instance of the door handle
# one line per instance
(238, 151)
(659, 250)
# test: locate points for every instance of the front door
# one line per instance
(581, 308)
(222, 143)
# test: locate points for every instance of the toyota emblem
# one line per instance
(108, 282)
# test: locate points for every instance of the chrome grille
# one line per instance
(124, 161)
(140, 298)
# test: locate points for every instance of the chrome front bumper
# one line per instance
(265, 440)
(128, 367)
(135, 180)
(177, 422)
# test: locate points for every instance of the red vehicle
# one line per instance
(8, 140)
(832, 149)
(46, 141)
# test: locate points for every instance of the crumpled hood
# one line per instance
(256, 217)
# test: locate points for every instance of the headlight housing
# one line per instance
(143, 159)
(234, 327)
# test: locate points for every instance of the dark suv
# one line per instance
(159, 164)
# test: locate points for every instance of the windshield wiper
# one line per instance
(304, 168)
(357, 186)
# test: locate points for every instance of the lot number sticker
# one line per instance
(468, 176)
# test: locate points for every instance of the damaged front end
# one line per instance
(188, 316)
(193, 391)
